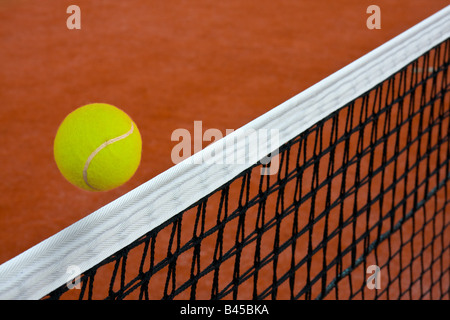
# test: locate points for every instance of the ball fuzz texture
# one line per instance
(97, 147)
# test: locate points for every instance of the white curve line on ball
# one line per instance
(103, 145)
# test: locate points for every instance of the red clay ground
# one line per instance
(166, 63)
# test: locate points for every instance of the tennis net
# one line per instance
(356, 205)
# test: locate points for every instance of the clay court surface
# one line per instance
(167, 64)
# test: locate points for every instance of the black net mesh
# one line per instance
(367, 186)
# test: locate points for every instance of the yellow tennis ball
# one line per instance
(97, 147)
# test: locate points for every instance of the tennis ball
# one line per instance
(97, 147)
